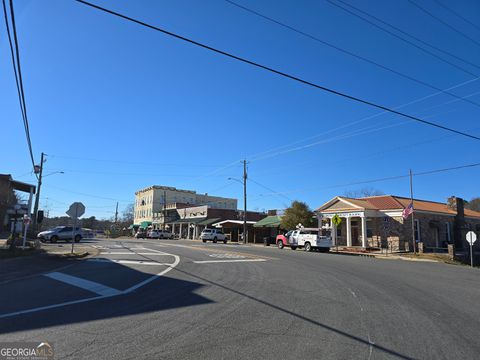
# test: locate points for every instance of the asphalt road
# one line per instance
(159, 299)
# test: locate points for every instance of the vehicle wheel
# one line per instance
(204, 240)
(225, 241)
(293, 247)
(78, 238)
(54, 239)
(308, 246)
(214, 240)
(280, 244)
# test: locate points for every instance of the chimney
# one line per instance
(456, 204)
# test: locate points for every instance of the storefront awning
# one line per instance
(187, 221)
(145, 224)
(132, 226)
(208, 221)
(271, 221)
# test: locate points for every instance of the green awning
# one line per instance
(208, 221)
(269, 221)
(145, 224)
(133, 226)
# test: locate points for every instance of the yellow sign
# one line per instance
(336, 220)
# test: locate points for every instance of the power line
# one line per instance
(360, 120)
(269, 189)
(443, 22)
(381, 179)
(244, 60)
(18, 74)
(350, 53)
(403, 39)
(457, 14)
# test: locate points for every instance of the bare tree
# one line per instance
(363, 192)
(128, 213)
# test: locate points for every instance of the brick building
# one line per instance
(377, 221)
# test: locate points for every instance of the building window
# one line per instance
(417, 230)
(447, 233)
(339, 231)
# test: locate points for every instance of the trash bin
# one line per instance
(266, 241)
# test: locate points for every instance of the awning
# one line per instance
(145, 224)
(269, 221)
(232, 222)
(208, 221)
(187, 221)
(133, 226)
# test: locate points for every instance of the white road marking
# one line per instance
(128, 253)
(227, 261)
(84, 284)
(135, 262)
(227, 256)
(127, 291)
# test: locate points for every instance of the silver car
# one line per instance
(61, 233)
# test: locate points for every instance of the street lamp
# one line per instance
(37, 197)
(244, 183)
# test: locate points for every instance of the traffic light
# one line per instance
(39, 216)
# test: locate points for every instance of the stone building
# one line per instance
(377, 221)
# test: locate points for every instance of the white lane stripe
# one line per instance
(127, 291)
(84, 284)
(135, 262)
(128, 253)
(227, 261)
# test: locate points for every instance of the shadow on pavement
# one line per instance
(167, 293)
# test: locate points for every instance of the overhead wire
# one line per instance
(350, 53)
(449, 9)
(451, 27)
(278, 72)
(336, 4)
(18, 75)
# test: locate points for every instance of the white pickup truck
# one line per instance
(309, 239)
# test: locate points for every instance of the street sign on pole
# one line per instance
(75, 210)
(336, 220)
(471, 238)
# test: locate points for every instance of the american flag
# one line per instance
(407, 211)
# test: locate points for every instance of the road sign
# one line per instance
(336, 220)
(471, 237)
(76, 210)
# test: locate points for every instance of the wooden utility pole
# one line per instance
(37, 195)
(116, 213)
(413, 212)
(245, 234)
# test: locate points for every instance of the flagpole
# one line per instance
(413, 219)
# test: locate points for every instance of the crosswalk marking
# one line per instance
(227, 261)
(135, 262)
(84, 284)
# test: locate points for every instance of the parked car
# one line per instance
(307, 238)
(214, 235)
(160, 234)
(140, 235)
(61, 233)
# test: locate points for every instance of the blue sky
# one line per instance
(119, 107)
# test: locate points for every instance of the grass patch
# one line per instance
(438, 257)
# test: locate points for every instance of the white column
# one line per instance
(349, 231)
(30, 203)
(333, 232)
(364, 231)
(180, 236)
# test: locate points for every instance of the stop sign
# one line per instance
(76, 210)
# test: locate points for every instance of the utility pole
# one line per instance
(37, 195)
(116, 214)
(413, 212)
(245, 234)
(164, 209)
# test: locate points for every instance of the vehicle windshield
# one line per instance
(289, 233)
(207, 231)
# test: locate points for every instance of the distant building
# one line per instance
(377, 221)
(150, 202)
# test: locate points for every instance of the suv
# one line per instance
(61, 233)
(214, 235)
